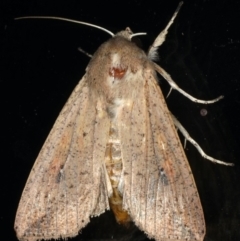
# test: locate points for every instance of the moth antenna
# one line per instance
(67, 20)
(152, 53)
(173, 85)
(200, 150)
(137, 34)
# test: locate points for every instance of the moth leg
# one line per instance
(84, 52)
(152, 53)
(188, 138)
(173, 85)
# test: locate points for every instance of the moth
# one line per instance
(115, 144)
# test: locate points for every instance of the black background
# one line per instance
(41, 65)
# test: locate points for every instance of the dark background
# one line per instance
(41, 65)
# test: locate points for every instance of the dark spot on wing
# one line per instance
(163, 177)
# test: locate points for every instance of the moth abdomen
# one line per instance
(114, 167)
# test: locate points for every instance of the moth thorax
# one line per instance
(117, 72)
(117, 69)
(115, 107)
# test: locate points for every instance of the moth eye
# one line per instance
(117, 73)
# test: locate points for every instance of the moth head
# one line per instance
(128, 34)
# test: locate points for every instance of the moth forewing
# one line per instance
(159, 190)
(178, 190)
(67, 184)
